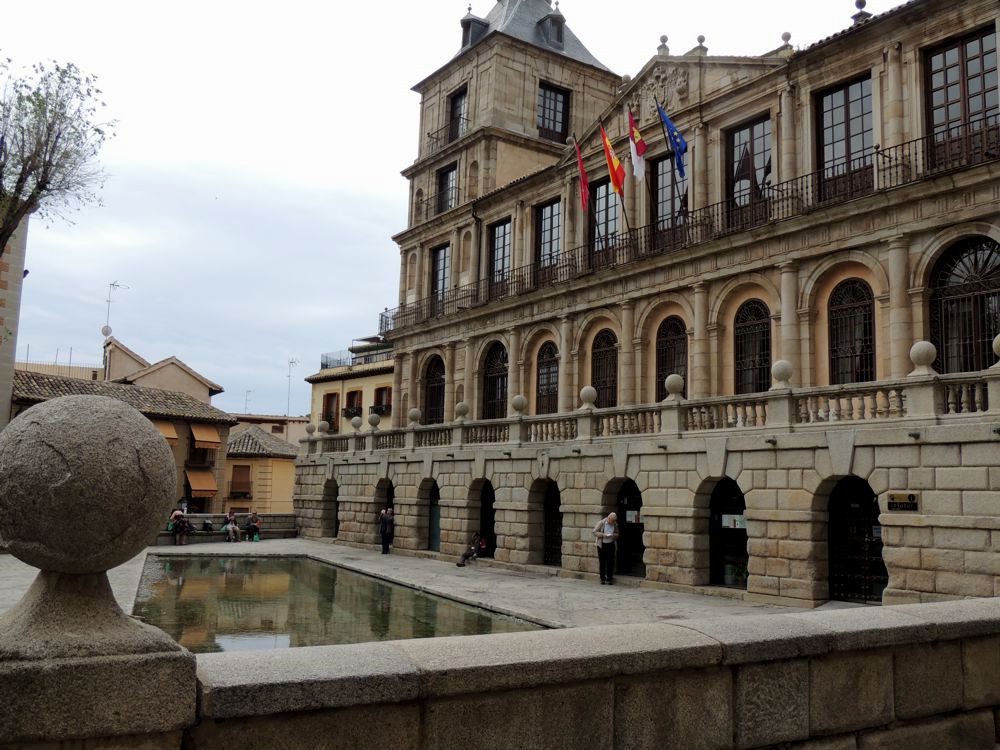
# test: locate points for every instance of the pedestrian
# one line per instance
(605, 534)
(473, 550)
(253, 527)
(231, 527)
(386, 528)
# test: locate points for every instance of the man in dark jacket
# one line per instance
(386, 528)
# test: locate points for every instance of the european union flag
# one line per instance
(676, 140)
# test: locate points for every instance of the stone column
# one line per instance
(699, 385)
(513, 366)
(566, 396)
(420, 283)
(518, 237)
(790, 349)
(626, 359)
(402, 276)
(788, 170)
(901, 336)
(893, 107)
(456, 258)
(700, 187)
(397, 394)
(449, 382)
(477, 231)
(567, 215)
(639, 369)
(470, 377)
(411, 386)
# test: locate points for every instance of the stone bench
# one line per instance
(273, 526)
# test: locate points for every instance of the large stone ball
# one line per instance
(923, 353)
(86, 482)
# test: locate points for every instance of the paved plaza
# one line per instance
(537, 596)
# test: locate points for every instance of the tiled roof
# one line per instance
(858, 26)
(33, 387)
(253, 442)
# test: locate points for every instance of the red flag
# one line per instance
(584, 184)
(615, 168)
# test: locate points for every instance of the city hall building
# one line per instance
(775, 357)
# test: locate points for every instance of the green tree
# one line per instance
(50, 136)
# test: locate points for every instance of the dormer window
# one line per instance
(553, 28)
(473, 29)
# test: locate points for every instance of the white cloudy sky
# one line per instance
(254, 182)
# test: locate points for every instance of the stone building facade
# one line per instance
(839, 203)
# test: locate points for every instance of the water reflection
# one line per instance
(245, 604)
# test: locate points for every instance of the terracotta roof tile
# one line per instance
(33, 388)
(253, 442)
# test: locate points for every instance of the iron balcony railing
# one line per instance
(347, 359)
(455, 129)
(383, 410)
(350, 412)
(945, 151)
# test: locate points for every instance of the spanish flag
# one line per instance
(638, 146)
(615, 168)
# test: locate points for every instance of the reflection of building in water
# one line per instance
(213, 604)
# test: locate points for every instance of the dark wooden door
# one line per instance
(630, 545)
(727, 531)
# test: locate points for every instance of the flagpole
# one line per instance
(663, 128)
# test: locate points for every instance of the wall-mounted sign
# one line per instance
(733, 521)
(905, 501)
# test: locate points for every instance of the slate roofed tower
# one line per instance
(502, 108)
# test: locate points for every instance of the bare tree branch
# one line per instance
(50, 137)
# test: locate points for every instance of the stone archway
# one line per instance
(428, 515)
(623, 496)
(727, 536)
(482, 498)
(545, 522)
(856, 569)
(385, 494)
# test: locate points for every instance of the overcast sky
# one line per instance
(254, 183)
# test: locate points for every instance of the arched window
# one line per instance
(495, 382)
(852, 333)
(434, 391)
(965, 305)
(547, 380)
(671, 353)
(604, 368)
(752, 347)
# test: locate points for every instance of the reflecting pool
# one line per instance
(246, 604)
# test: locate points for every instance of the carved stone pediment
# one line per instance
(669, 81)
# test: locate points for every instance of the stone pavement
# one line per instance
(539, 597)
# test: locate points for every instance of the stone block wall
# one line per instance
(915, 676)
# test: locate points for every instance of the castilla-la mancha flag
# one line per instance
(638, 146)
(615, 168)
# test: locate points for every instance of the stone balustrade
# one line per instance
(924, 394)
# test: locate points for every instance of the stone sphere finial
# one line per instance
(414, 416)
(520, 403)
(674, 385)
(996, 345)
(323, 427)
(310, 429)
(663, 49)
(922, 355)
(105, 331)
(461, 410)
(781, 372)
(373, 421)
(701, 39)
(786, 37)
(356, 423)
(860, 4)
(86, 483)
(588, 395)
